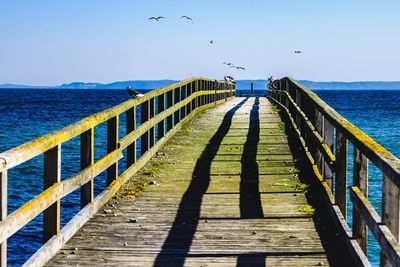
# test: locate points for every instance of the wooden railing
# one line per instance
(176, 104)
(325, 136)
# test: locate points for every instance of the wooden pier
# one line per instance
(221, 181)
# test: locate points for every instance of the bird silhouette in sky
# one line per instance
(227, 63)
(298, 52)
(133, 93)
(157, 18)
(240, 68)
(187, 18)
(212, 42)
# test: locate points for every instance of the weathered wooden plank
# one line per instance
(161, 108)
(87, 159)
(52, 175)
(328, 139)
(360, 179)
(391, 218)
(387, 241)
(341, 173)
(130, 127)
(112, 145)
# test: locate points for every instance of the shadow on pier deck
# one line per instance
(225, 191)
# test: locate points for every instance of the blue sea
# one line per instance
(27, 114)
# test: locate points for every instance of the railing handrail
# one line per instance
(380, 156)
(177, 103)
(315, 122)
(35, 147)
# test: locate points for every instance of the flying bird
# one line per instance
(157, 18)
(133, 93)
(187, 18)
(240, 68)
(212, 41)
(298, 52)
(227, 63)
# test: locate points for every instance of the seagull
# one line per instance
(240, 68)
(298, 52)
(212, 41)
(133, 93)
(187, 17)
(157, 18)
(229, 64)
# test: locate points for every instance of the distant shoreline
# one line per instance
(240, 85)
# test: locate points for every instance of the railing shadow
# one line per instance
(325, 226)
(180, 237)
(250, 199)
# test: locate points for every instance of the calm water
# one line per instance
(27, 114)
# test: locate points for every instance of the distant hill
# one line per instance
(138, 84)
(351, 85)
(240, 85)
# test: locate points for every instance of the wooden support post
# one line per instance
(52, 175)
(177, 96)
(130, 127)
(152, 136)
(145, 139)
(360, 179)
(341, 173)
(390, 212)
(87, 159)
(182, 96)
(112, 144)
(328, 139)
(319, 126)
(3, 213)
(161, 108)
(170, 118)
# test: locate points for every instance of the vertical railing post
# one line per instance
(145, 138)
(182, 96)
(390, 212)
(3, 210)
(360, 179)
(177, 96)
(341, 172)
(328, 139)
(52, 175)
(319, 126)
(130, 127)
(112, 144)
(152, 130)
(87, 159)
(161, 124)
(170, 101)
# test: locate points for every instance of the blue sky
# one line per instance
(48, 42)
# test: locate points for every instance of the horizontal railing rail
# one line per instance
(176, 104)
(325, 136)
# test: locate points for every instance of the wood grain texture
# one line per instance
(209, 198)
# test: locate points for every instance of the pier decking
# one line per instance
(224, 192)
(220, 181)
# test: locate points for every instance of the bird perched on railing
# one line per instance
(229, 79)
(133, 93)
